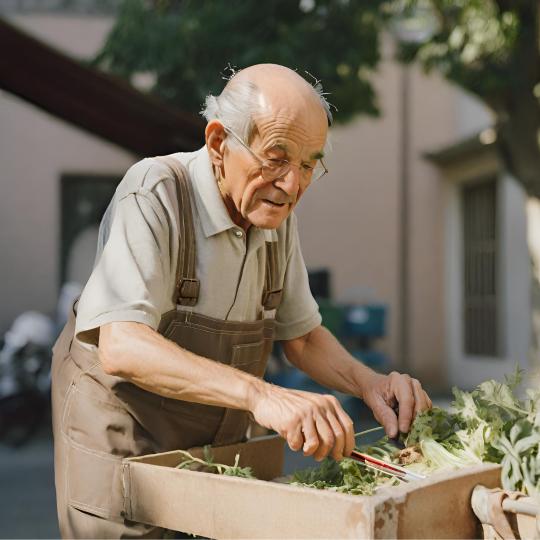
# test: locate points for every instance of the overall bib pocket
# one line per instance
(249, 357)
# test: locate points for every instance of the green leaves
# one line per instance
(475, 43)
(187, 44)
(520, 462)
(435, 423)
(497, 427)
(437, 457)
(345, 476)
(207, 465)
(489, 424)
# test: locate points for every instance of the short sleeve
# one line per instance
(298, 312)
(127, 283)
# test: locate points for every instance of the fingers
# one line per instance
(348, 431)
(421, 399)
(386, 416)
(405, 395)
(295, 438)
(326, 438)
(411, 398)
(339, 436)
(342, 429)
(324, 428)
(311, 437)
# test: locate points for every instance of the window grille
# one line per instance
(480, 269)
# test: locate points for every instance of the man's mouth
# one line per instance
(274, 203)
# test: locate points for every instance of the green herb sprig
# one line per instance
(209, 465)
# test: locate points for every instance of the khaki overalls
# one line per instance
(99, 419)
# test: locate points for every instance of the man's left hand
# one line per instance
(385, 394)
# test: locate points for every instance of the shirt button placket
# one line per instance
(240, 235)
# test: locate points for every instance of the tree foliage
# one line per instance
(186, 44)
(491, 49)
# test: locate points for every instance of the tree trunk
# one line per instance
(518, 129)
(533, 226)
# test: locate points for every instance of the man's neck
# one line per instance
(236, 217)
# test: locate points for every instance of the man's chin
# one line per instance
(262, 220)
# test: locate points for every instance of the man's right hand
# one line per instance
(315, 423)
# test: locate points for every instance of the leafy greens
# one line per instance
(489, 424)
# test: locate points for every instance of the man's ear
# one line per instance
(215, 139)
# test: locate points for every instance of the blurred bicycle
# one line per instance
(25, 379)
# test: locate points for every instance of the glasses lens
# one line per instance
(272, 169)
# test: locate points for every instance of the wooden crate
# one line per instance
(228, 507)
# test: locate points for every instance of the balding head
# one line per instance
(279, 87)
(259, 88)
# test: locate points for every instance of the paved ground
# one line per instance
(27, 497)
(27, 501)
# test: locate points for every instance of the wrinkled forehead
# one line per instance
(293, 125)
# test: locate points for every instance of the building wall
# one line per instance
(35, 150)
(350, 222)
(433, 112)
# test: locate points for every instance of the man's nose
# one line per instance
(290, 182)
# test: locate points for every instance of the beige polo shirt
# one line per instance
(135, 269)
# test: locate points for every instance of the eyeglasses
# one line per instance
(272, 169)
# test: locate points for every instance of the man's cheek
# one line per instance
(251, 194)
(248, 202)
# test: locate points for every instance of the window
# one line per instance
(479, 202)
(84, 199)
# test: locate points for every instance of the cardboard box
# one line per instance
(218, 506)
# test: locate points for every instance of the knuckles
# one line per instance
(307, 414)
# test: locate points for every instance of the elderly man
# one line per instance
(198, 270)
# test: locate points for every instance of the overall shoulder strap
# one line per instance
(187, 285)
(272, 291)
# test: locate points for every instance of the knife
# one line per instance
(387, 468)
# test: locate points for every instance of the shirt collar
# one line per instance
(210, 206)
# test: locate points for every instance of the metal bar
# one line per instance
(520, 506)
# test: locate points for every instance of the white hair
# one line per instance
(238, 103)
(235, 108)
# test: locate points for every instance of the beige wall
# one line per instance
(350, 222)
(35, 150)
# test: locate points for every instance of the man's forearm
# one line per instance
(325, 360)
(144, 357)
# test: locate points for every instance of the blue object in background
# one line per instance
(362, 325)
(356, 326)
(366, 321)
